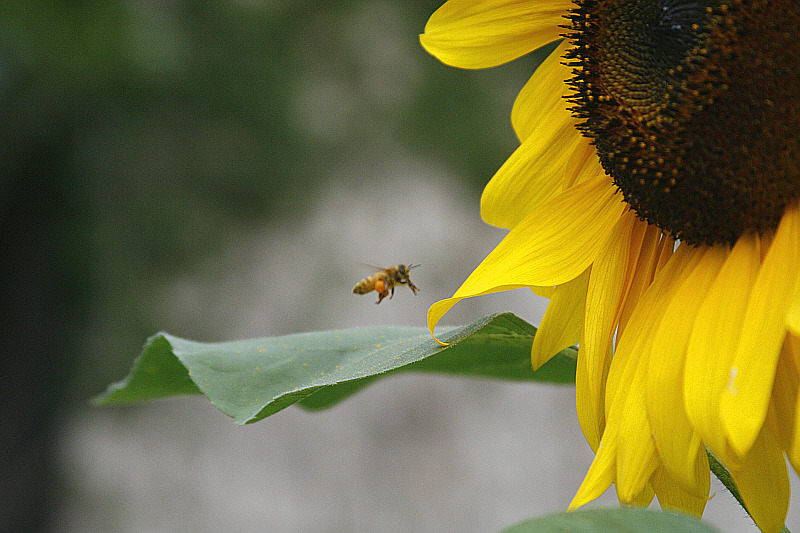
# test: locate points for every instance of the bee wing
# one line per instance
(373, 267)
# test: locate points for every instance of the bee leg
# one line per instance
(413, 287)
(381, 296)
(392, 296)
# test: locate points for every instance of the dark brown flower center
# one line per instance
(694, 107)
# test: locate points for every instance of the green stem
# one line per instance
(724, 476)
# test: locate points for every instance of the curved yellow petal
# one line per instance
(763, 482)
(543, 95)
(676, 441)
(533, 174)
(440, 308)
(551, 246)
(745, 399)
(486, 33)
(715, 333)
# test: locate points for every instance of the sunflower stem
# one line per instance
(726, 479)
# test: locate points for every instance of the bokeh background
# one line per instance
(222, 169)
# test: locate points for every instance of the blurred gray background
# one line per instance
(221, 169)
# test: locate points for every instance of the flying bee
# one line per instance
(386, 280)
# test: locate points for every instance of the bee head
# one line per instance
(402, 271)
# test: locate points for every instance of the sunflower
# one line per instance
(655, 199)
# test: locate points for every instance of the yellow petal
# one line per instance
(599, 477)
(673, 496)
(643, 498)
(608, 286)
(551, 246)
(793, 318)
(793, 450)
(583, 164)
(666, 249)
(636, 453)
(591, 406)
(551, 148)
(562, 322)
(486, 33)
(645, 318)
(555, 243)
(785, 398)
(626, 413)
(533, 174)
(714, 337)
(745, 399)
(763, 482)
(652, 258)
(677, 442)
(544, 292)
(543, 95)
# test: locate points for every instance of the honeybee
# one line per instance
(386, 280)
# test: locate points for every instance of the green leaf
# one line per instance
(632, 520)
(252, 379)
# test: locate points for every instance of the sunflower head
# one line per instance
(694, 107)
